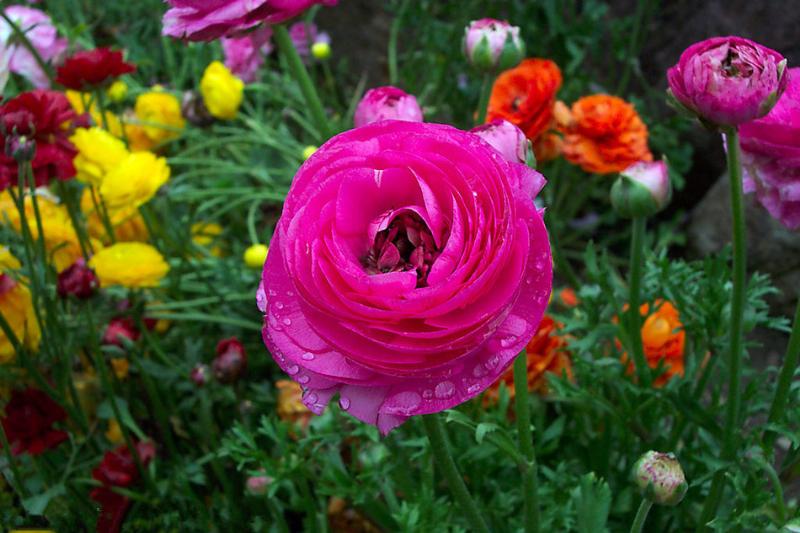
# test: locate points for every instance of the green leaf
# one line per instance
(593, 504)
(36, 505)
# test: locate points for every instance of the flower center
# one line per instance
(407, 244)
(734, 66)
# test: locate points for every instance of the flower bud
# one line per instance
(21, 148)
(231, 360)
(257, 485)
(117, 91)
(641, 190)
(78, 280)
(727, 81)
(492, 45)
(119, 329)
(506, 138)
(255, 255)
(384, 103)
(660, 478)
(308, 151)
(321, 50)
(194, 110)
(199, 375)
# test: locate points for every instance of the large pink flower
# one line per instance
(205, 20)
(408, 269)
(771, 156)
(728, 81)
(39, 30)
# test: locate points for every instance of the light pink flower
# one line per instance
(771, 155)
(506, 138)
(408, 269)
(206, 20)
(384, 103)
(304, 35)
(39, 30)
(642, 190)
(727, 81)
(245, 55)
(491, 44)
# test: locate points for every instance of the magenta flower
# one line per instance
(408, 269)
(491, 44)
(771, 155)
(506, 138)
(245, 55)
(386, 103)
(304, 35)
(727, 81)
(39, 30)
(206, 20)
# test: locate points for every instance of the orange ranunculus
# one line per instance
(605, 135)
(290, 403)
(568, 297)
(546, 353)
(524, 96)
(663, 339)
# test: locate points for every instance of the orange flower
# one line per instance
(524, 96)
(605, 135)
(568, 297)
(663, 339)
(290, 403)
(546, 353)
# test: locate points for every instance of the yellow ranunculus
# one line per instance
(222, 91)
(117, 91)
(114, 432)
(134, 181)
(17, 309)
(79, 101)
(98, 153)
(129, 264)
(160, 118)
(206, 234)
(127, 222)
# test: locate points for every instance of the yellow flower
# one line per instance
(134, 181)
(255, 255)
(308, 151)
(79, 102)
(114, 432)
(321, 50)
(129, 264)
(120, 366)
(7, 260)
(60, 239)
(222, 91)
(17, 308)
(206, 234)
(159, 114)
(127, 222)
(118, 91)
(98, 153)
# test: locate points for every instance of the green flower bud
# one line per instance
(660, 478)
(641, 190)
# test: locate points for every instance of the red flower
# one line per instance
(92, 68)
(30, 415)
(231, 360)
(117, 469)
(44, 117)
(78, 280)
(118, 328)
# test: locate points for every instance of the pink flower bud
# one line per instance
(384, 103)
(643, 189)
(199, 375)
(660, 478)
(78, 280)
(257, 485)
(506, 138)
(727, 81)
(492, 45)
(231, 360)
(119, 329)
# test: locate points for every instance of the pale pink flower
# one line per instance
(39, 30)
(245, 55)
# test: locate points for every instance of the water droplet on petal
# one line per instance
(311, 398)
(287, 321)
(444, 390)
(272, 292)
(303, 380)
(292, 370)
(474, 388)
(308, 356)
(279, 305)
(405, 402)
(506, 342)
(344, 403)
(289, 294)
(479, 371)
(427, 394)
(492, 362)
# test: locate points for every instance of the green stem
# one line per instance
(391, 53)
(641, 516)
(737, 313)
(486, 92)
(633, 45)
(530, 489)
(300, 74)
(790, 361)
(444, 460)
(12, 463)
(639, 226)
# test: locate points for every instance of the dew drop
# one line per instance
(444, 390)
(474, 388)
(492, 362)
(292, 370)
(479, 371)
(344, 403)
(287, 321)
(508, 341)
(272, 292)
(289, 294)
(279, 305)
(303, 380)
(405, 402)
(308, 356)
(311, 398)
(427, 394)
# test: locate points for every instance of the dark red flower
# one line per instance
(231, 360)
(117, 469)
(90, 69)
(78, 280)
(46, 118)
(118, 328)
(28, 423)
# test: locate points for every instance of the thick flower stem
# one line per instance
(444, 460)
(790, 361)
(639, 225)
(737, 313)
(300, 74)
(486, 92)
(641, 516)
(530, 485)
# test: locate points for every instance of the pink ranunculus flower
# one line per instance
(206, 20)
(39, 30)
(408, 269)
(506, 138)
(386, 103)
(727, 81)
(771, 155)
(245, 55)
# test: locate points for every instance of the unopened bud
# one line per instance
(321, 50)
(200, 375)
(21, 148)
(492, 45)
(641, 190)
(660, 478)
(231, 360)
(257, 485)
